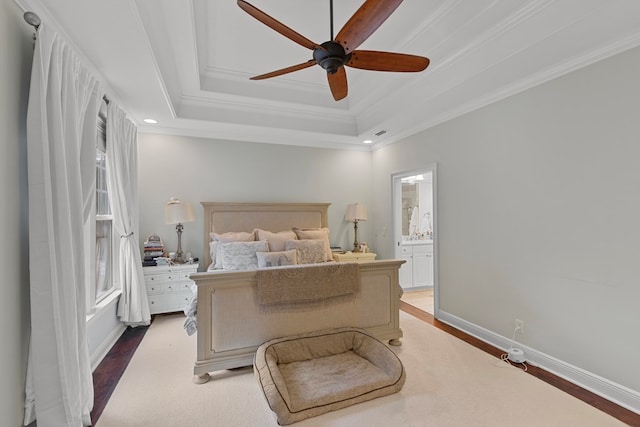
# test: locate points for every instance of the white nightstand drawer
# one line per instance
(184, 286)
(166, 303)
(169, 288)
(181, 275)
(155, 288)
(156, 278)
(166, 287)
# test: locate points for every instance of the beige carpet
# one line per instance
(449, 383)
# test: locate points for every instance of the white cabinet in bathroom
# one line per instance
(417, 272)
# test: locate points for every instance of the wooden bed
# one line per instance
(231, 323)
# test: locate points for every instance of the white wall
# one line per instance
(197, 170)
(538, 208)
(16, 53)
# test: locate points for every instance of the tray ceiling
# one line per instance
(187, 63)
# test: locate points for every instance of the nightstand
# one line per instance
(354, 256)
(169, 287)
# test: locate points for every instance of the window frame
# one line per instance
(93, 300)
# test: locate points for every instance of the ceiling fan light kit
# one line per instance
(335, 54)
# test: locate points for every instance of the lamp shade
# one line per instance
(177, 212)
(356, 212)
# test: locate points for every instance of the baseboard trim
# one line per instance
(614, 392)
(105, 346)
(107, 308)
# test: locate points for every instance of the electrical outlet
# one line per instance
(519, 324)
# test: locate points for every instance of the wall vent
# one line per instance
(380, 133)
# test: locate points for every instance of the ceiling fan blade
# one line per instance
(338, 84)
(387, 61)
(291, 69)
(277, 25)
(364, 22)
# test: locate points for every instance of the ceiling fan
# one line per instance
(333, 55)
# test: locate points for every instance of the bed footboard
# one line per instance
(231, 324)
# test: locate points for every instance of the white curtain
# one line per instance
(122, 184)
(61, 134)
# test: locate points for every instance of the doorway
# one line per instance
(415, 234)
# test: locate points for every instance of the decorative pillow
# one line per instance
(308, 251)
(276, 240)
(241, 255)
(213, 251)
(274, 259)
(232, 236)
(316, 234)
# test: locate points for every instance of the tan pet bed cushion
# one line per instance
(307, 375)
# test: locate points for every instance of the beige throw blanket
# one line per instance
(308, 282)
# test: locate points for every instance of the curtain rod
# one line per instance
(34, 20)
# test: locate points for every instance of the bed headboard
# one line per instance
(221, 217)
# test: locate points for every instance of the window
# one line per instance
(102, 280)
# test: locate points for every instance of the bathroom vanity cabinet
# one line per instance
(417, 272)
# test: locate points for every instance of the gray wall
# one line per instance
(538, 209)
(15, 53)
(196, 170)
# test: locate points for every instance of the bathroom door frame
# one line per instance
(396, 209)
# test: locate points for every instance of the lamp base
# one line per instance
(356, 245)
(178, 259)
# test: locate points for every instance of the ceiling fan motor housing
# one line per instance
(331, 57)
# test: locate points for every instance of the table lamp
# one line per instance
(356, 212)
(177, 213)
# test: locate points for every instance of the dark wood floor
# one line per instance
(108, 373)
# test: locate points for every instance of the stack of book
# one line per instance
(153, 248)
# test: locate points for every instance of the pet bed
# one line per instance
(310, 374)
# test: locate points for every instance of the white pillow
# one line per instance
(275, 259)
(308, 251)
(276, 240)
(241, 255)
(213, 252)
(316, 234)
(231, 236)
